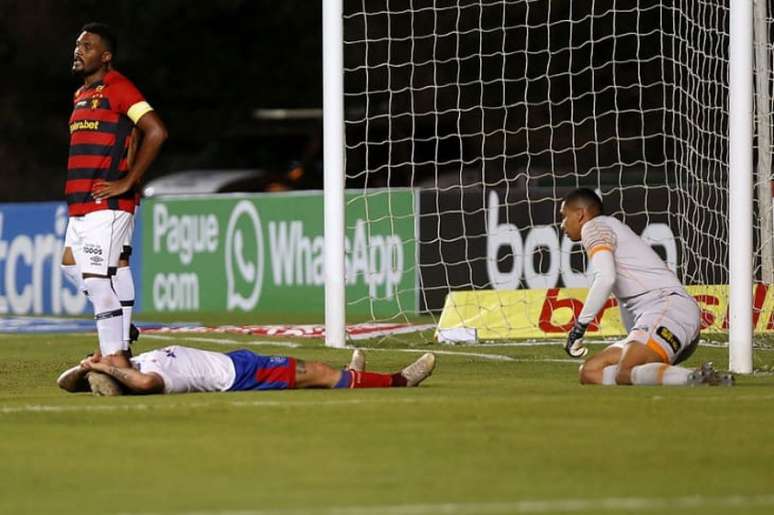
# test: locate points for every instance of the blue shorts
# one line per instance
(256, 372)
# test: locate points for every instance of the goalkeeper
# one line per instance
(178, 369)
(661, 318)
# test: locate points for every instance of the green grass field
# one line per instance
(495, 430)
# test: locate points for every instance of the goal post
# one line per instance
(489, 111)
(740, 165)
(333, 170)
(763, 185)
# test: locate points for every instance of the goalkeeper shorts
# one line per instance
(669, 327)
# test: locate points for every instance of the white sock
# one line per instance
(660, 373)
(608, 374)
(74, 276)
(107, 313)
(123, 284)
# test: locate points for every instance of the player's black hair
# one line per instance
(105, 32)
(587, 197)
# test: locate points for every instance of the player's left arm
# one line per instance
(603, 265)
(154, 133)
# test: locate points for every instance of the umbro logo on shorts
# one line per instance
(670, 338)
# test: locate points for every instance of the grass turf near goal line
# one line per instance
(483, 435)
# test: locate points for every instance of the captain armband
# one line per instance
(138, 110)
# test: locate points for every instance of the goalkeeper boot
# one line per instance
(134, 334)
(103, 385)
(419, 370)
(706, 374)
(701, 375)
(726, 379)
(714, 378)
(358, 361)
(721, 378)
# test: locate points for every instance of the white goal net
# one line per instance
(490, 111)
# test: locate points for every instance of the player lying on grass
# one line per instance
(178, 369)
(662, 319)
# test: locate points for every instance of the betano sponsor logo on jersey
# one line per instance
(84, 125)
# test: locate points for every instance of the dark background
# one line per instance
(627, 96)
(204, 66)
(457, 93)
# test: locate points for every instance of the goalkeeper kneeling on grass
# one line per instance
(178, 369)
(662, 319)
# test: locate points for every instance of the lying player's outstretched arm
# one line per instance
(135, 381)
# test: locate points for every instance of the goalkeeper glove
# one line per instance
(574, 346)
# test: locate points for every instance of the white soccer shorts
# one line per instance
(127, 245)
(97, 239)
(669, 327)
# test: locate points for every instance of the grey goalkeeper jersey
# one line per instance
(638, 268)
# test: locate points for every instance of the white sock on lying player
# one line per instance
(660, 373)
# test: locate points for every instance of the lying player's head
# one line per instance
(578, 207)
(94, 49)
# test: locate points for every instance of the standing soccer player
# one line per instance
(662, 319)
(101, 186)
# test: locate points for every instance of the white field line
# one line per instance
(714, 345)
(488, 357)
(541, 343)
(291, 345)
(617, 504)
(528, 343)
(228, 341)
(106, 408)
(392, 332)
(223, 341)
(479, 355)
(53, 408)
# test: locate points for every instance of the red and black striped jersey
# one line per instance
(104, 114)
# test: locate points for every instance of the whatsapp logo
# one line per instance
(244, 257)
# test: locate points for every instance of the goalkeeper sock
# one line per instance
(659, 374)
(353, 379)
(608, 374)
(123, 285)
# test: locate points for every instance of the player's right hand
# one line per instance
(574, 345)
